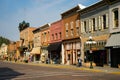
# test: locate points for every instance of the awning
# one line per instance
(54, 46)
(113, 41)
(35, 50)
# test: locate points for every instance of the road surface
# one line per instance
(13, 71)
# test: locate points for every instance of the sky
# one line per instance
(35, 12)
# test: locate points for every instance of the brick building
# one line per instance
(54, 47)
(70, 35)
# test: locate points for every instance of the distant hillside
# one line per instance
(4, 40)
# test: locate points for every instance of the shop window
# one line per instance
(68, 56)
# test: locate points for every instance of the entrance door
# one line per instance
(100, 57)
(115, 57)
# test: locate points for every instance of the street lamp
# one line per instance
(91, 41)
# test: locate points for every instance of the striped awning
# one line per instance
(113, 41)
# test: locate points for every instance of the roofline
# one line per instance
(71, 9)
(96, 5)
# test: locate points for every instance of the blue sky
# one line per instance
(36, 12)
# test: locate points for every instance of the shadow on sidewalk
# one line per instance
(8, 74)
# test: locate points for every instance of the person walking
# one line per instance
(79, 62)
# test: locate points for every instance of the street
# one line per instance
(13, 71)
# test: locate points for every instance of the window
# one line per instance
(93, 24)
(56, 36)
(77, 29)
(66, 26)
(45, 37)
(60, 35)
(85, 26)
(52, 36)
(115, 18)
(72, 32)
(104, 19)
(90, 26)
(77, 23)
(66, 33)
(71, 25)
(99, 23)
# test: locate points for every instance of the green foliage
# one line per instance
(4, 40)
(23, 25)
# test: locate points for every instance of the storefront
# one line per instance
(99, 53)
(54, 50)
(44, 54)
(35, 54)
(71, 51)
(113, 45)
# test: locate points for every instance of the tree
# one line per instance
(4, 40)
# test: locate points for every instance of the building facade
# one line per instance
(70, 35)
(113, 43)
(54, 47)
(26, 40)
(95, 24)
(45, 38)
(36, 51)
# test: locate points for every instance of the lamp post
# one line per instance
(91, 41)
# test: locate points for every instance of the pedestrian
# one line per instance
(15, 59)
(79, 62)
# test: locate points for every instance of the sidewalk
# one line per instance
(105, 69)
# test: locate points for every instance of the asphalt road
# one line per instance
(13, 71)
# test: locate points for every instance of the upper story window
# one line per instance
(42, 38)
(60, 35)
(93, 24)
(99, 23)
(90, 25)
(66, 29)
(77, 23)
(72, 32)
(85, 26)
(45, 37)
(71, 25)
(104, 21)
(115, 18)
(48, 36)
(56, 36)
(52, 36)
(77, 31)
